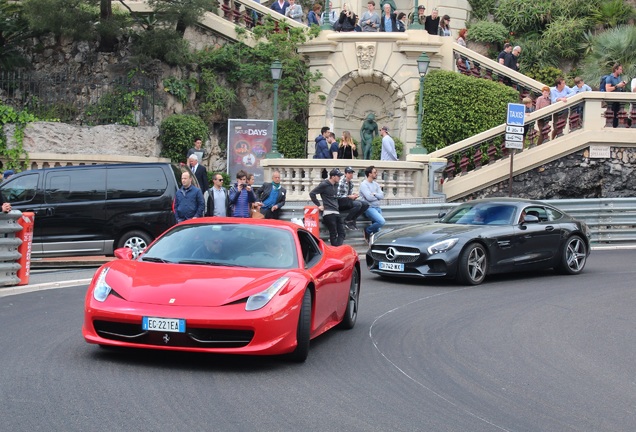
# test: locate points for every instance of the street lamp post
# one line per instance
(326, 25)
(422, 67)
(415, 25)
(277, 72)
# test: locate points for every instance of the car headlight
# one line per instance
(257, 301)
(442, 246)
(101, 288)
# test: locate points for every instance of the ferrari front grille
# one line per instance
(193, 337)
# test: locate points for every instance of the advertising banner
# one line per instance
(248, 141)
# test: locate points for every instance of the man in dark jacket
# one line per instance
(272, 197)
(188, 202)
(218, 199)
(241, 196)
(328, 191)
(431, 23)
(322, 148)
(200, 173)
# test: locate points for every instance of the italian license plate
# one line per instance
(163, 324)
(392, 266)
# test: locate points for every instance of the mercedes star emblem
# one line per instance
(391, 253)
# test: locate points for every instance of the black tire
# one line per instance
(303, 331)
(135, 240)
(473, 265)
(351, 313)
(573, 256)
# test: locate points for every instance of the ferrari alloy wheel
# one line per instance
(574, 256)
(137, 241)
(351, 313)
(473, 265)
(303, 332)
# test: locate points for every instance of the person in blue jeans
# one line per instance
(371, 193)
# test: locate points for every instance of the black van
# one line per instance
(94, 209)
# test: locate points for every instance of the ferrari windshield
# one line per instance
(481, 214)
(233, 245)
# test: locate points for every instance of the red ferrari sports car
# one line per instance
(225, 285)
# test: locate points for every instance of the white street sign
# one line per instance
(514, 145)
(514, 137)
(514, 129)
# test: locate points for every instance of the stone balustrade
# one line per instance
(402, 182)
(584, 120)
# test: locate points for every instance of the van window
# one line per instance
(75, 185)
(135, 182)
(20, 189)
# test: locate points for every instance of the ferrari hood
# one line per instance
(424, 233)
(187, 285)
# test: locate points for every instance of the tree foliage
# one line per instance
(617, 45)
(457, 107)
(292, 139)
(177, 134)
(13, 33)
(181, 13)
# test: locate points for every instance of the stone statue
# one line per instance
(368, 131)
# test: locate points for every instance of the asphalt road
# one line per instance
(533, 352)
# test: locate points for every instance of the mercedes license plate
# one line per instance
(163, 324)
(392, 266)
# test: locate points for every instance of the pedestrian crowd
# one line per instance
(344, 19)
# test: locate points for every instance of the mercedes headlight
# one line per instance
(443, 246)
(259, 300)
(101, 288)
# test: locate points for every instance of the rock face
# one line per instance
(61, 138)
(574, 176)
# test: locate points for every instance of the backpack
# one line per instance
(603, 83)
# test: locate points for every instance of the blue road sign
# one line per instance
(516, 113)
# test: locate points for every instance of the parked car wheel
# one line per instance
(135, 240)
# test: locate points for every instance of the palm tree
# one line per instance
(13, 33)
(617, 45)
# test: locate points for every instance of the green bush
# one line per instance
(160, 44)
(292, 139)
(563, 36)
(457, 107)
(546, 75)
(523, 16)
(488, 32)
(482, 8)
(177, 135)
(376, 147)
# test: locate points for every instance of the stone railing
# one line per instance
(585, 119)
(50, 160)
(483, 67)
(403, 182)
(230, 15)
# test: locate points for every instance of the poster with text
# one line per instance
(248, 141)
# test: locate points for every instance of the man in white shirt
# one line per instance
(388, 146)
(371, 193)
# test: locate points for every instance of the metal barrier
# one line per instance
(9, 243)
(610, 220)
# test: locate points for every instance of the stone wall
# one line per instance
(572, 177)
(45, 137)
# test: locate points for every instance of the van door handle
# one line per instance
(50, 211)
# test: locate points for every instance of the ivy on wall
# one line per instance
(13, 155)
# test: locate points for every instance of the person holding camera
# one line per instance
(241, 196)
(347, 20)
(615, 83)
